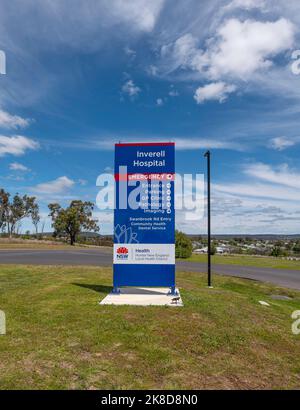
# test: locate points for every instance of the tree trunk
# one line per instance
(72, 240)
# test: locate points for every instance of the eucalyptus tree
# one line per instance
(13, 211)
(73, 219)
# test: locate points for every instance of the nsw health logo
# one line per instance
(122, 253)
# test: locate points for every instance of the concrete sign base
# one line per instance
(143, 297)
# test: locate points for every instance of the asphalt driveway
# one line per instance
(103, 257)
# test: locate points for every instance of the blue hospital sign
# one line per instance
(144, 217)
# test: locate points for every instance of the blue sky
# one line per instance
(211, 74)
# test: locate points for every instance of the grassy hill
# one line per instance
(249, 260)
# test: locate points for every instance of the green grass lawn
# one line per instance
(248, 260)
(58, 337)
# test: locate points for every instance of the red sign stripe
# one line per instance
(141, 144)
(145, 176)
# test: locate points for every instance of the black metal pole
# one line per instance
(207, 155)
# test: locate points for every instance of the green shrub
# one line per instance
(183, 245)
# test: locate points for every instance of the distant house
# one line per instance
(219, 249)
(200, 251)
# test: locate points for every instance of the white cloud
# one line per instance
(152, 70)
(173, 93)
(241, 48)
(12, 121)
(182, 143)
(16, 166)
(282, 143)
(89, 27)
(215, 91)
(259, 190)
(237, 50)
(183, 52)
(82, 182)
(208, 143)
(159, 102)
(131, 89)
(16, 145)
(130, 52)
(281, 175)
(269, 202)
(141, 13)
(84, 26)
(56, 186)
(246, 4)
(254, 215)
